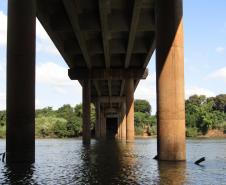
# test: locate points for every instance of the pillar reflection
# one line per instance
(108, 162)
(19, 173)
(172, 173)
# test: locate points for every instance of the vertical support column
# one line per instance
(123, 119)
(97, 125)
(20, 117)
(129, 109)
(119, 127)
(86, 134)
(103, 124)
(170, 80)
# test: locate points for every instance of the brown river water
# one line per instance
(67, 161)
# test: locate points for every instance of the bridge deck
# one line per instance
(104, 34)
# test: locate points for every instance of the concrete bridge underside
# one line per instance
(107, 45)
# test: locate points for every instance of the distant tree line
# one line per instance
(202, 114)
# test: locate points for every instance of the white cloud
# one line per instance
(55, 76)
(198, 90)
(220, 49)
(43, 44)
(54, 88)
(3, 28)
(40, 31)
(46, 46)
(218, 74)
(52, 74)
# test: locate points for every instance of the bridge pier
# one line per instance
(20, 103)
(119, 132)
(97, 125)
(170, 80)
(130, 109)
(123, 121)
(103, 124)
(86, 134)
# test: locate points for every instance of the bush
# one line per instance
(153, 130)
(191, 132)
(224, 127)
(139, 131)
(2, 131)
(47, 126)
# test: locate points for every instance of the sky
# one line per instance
(205, 59)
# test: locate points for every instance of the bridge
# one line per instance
(107, 45)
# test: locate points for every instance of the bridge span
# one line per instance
(107, 45)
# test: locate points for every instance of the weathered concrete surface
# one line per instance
(103, 124)
(97, 125)
(20, 133)
(170, 80)
(130, 109)
(86, 133)
(123, 123)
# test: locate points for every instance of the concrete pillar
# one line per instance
(170, 80)
(86, 133)
(123, 121)
(129, 109)
(103, 124)
(20, 117)
(119, 128)
(97, 125)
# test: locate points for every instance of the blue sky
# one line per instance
(205, 59)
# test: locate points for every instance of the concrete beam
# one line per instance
(70, 7)
(107, 74)
(97, 87)
(107, 99)
(111, 110)
(132, 34)
(135, 19)
(103, 7)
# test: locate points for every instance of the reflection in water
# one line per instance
(108, 163)
(172, 173)
(19, 174)
(68, 162)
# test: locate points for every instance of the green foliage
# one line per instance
(142, 118)
(142, 106)
(220, 103)
(201, 114)
(191, 132)
(47, 111)
(205, 113)
(2, 124)
(47, 126)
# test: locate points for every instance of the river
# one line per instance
(67, 161)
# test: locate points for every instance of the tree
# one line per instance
(142, 106)
(220, 103)
(197, 100)
(47, 111)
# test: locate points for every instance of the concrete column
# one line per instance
(86, 133)
(119, 128)
(97, 125)
(103, 124)
(123, 121)
(20, 117)
(129, 109)
(170, 80)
